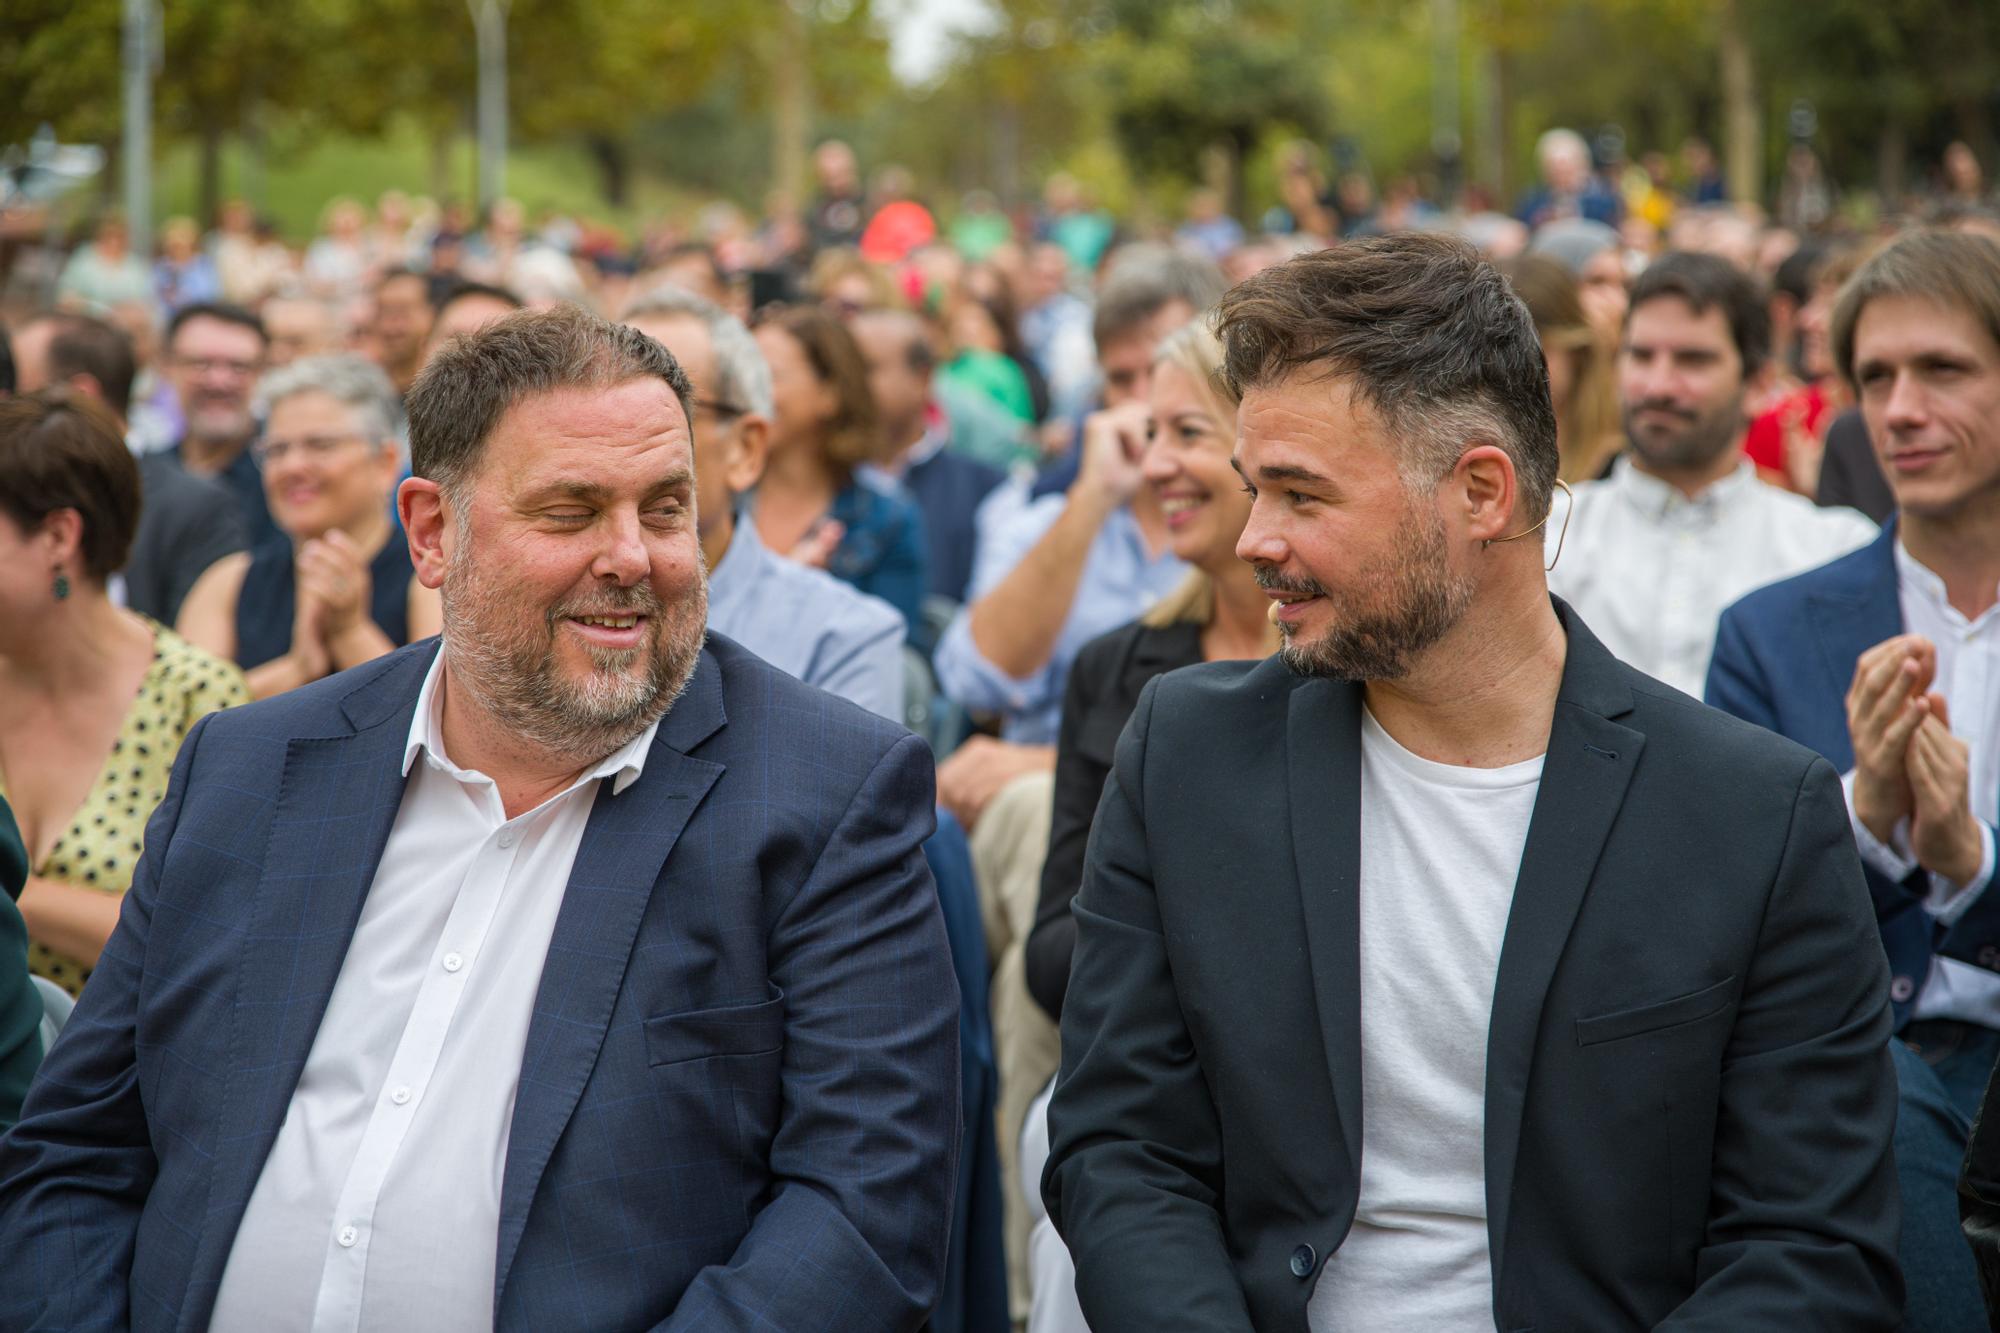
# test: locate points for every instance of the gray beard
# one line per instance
(513, 674)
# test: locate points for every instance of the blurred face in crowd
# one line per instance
(180, 239)
(1928, 376)
(1047, 274)
(30, 345)
(1815, 330)
(402, 321)
(322, 469)
(1358, 561)
(1187, 464)
(467, 314)
(299, 326)
(729, 439)
(1680, 386)
(1126, 362)
(804, 401)
(1565, 168)
(572, 585)
(1601, 288)
(902, 391)
(213, 365)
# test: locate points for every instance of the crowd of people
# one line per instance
(990, 480)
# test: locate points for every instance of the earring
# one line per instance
(62, 586)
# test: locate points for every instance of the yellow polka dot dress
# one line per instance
(100, 849)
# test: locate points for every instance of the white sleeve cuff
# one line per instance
(1892, 858)
(1948, 901)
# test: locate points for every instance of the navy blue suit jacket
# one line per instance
(738, 1103)
(1784, 658)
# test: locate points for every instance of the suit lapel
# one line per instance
(625, 845)
(1848, 621)
(1589, 764)
(1323, 763)
(337, 801)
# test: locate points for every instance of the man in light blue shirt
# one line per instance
(801, 620)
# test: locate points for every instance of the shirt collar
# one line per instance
(1653, 496)
(1913, 577)
(623, 765)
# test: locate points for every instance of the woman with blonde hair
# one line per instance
(1581, 382)
(1217, 613)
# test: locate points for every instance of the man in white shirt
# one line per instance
(799, 619)
(1444, 971)
(1682, 527)
(1888, 663)
(570, 973)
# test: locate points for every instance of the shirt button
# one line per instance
(507, 837)
(401, 1096)
(452, 962)
(1304, 1260)
(347, 1237)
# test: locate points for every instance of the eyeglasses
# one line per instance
(313, 447)
(719, 410)
(202, 365)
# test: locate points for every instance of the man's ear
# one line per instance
(749, 450)
(1490, 490)
(429, 525)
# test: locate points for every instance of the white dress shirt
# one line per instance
(1968, 676)
(1651, 571)
(379, 1205)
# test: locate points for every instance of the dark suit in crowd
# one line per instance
(1103, 689)
(1689, 1100)
(1850, 474)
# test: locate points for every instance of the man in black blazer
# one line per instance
(1446, 970)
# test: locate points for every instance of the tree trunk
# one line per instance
(1892, 157)
(1494, 139)
(1742, 134)
(790, 81)
(614, 168)
(440, 163)
(208, 198)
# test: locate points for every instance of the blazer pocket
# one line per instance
(1704, 1003)
(698, 1034)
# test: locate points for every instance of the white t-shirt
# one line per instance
(1440, 851)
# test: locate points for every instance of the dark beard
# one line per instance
(514, 676)
(1700, 443)
(1423, 603)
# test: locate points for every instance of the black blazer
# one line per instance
(1689, 1099)
(1103, 688)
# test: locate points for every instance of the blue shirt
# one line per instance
(1121, 578)
(882, 552)
(808, 624)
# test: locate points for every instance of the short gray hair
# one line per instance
(742, 375)
(1145, 278)
(356, 384)
(474, 378)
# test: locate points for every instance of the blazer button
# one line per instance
(1304, 1260)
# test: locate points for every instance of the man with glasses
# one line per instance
(214, 354)
(801, 620)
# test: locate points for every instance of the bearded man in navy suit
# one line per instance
(580, 971)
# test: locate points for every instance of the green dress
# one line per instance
(20, 1002)
(100, 848)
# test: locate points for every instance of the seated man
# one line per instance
(1445, 972)
(800, 620)
(948, 485)
(534, 979)
(1885, 661)
(1683, 527)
